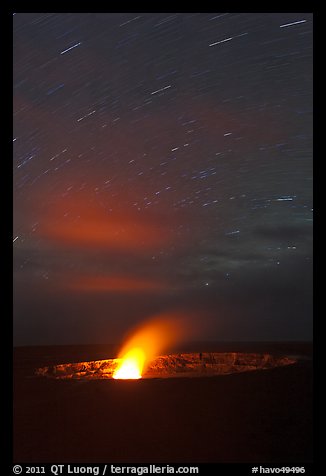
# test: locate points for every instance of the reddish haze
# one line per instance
(81, 223)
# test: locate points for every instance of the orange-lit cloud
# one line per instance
(78, 222)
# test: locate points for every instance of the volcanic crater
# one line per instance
(171, 366)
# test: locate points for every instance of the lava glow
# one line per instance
(132, 365)
(147, 342)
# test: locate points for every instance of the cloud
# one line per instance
(80, 221)
(114, 283)
(286, 233)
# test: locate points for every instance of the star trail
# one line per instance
(162, 160)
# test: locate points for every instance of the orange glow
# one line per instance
(131, 366)
(149, 341)
(79, 223)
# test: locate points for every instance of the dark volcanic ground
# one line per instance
(259, 417)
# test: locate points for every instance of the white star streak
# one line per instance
(293, 23)
(68, 49)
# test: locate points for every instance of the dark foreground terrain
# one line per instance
(259, 416)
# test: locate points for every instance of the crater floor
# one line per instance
(172, 365)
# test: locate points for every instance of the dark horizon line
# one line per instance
(284, 341)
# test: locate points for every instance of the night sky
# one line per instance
(162, 161)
